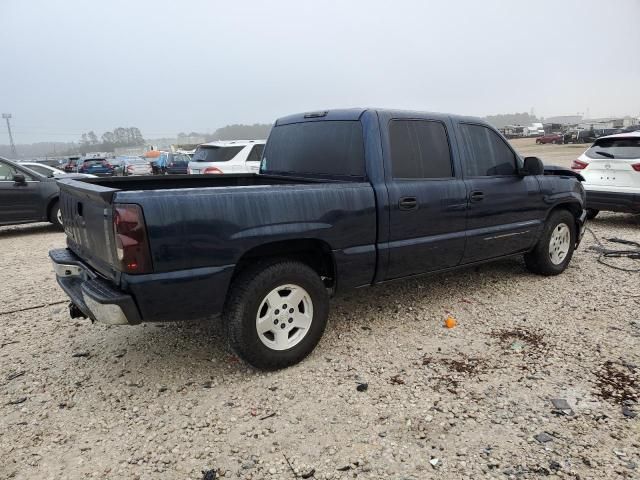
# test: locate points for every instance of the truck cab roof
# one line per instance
(346, 114)
(231, 143)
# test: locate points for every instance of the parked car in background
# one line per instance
(136, 166)
(96, 166)
(71, 165)
(237, 156)
(551, 138)
(611, 168)
(26, 196)
(51, 162)
(48, 171)
(343, 199)
(118, 164)
(176, 163)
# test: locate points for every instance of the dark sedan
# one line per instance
(27, 196)
(177, 163)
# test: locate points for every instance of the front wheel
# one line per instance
(276, 313)
(554, 250)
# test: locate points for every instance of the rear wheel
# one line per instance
(55, 215)
(276, 313)
(554, 250)
(592, 213)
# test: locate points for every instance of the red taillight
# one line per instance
(132, 247)
(579, 165)
(636, 167)
(212, 170)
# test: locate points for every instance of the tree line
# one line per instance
(119, 137)
(257, 131)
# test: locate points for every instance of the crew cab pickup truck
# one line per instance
(343, 199)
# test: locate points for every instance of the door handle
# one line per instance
(476, 196)
(408, 203)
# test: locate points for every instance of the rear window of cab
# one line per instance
(326, 148)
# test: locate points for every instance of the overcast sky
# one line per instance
(70, 66)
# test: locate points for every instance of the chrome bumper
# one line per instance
(93, 296)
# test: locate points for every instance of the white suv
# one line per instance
(611, 168)
(237, 156)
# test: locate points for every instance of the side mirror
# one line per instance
(532, 166)
(19, 179)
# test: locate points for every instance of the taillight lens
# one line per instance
(636, 167)
(579, 165)
(132, 246)
(212, 170)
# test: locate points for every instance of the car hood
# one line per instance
(562, 171)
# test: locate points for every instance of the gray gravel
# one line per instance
(168, 401)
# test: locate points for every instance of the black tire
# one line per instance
(539, 259)
(246, 296)
(592, 213)
(55, 216)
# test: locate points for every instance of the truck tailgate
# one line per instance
(87, 217)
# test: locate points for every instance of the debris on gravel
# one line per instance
(168, 401)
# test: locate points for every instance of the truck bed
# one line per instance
(199, 227)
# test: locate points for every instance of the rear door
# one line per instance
(254, 157)
(505, 210)
(18, 202)
(427, 196)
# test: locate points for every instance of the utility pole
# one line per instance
(7, 116)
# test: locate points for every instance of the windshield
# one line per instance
(215, 154)
(621, 147)
(330, 148)
(179, 159)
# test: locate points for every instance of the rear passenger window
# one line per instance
(488, 154)
(255, 155)
(419, 149)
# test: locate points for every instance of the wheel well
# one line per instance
(50, 206)
(315, 253)
(573, 207)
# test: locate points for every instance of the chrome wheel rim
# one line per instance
(284, 317)
(559, 243)
(59, 216)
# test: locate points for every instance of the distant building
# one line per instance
(130, 151)
(191, 139)
(609, 122)
(564, 119)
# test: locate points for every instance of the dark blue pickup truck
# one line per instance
(344, 199)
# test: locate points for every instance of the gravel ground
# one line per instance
(168, 401)
(561, 155)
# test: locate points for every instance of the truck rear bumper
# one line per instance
(94, 297)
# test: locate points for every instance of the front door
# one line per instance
(427, 199)
(505, 211)
(18, 201)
